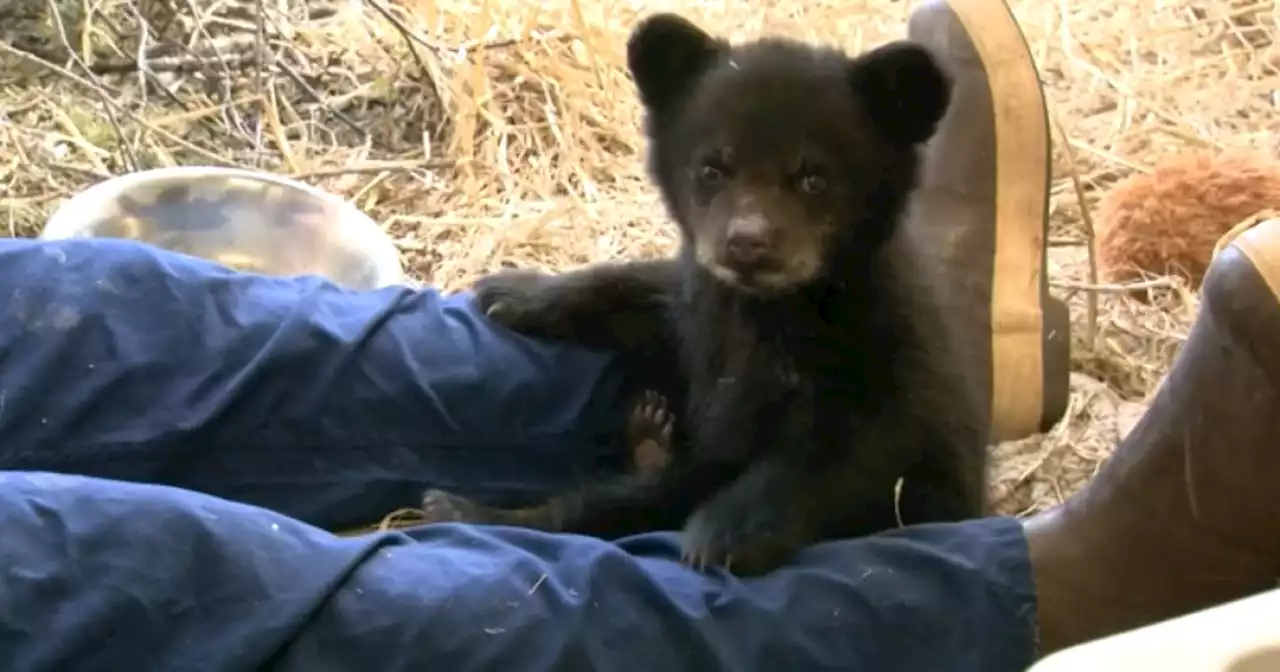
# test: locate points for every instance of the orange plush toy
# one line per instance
(1167, 222)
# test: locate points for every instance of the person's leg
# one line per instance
(108, 575)
(1184, 515)
(1180, 519)
(123, 361)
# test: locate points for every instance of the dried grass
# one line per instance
(485, 133)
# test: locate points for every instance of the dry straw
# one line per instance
(505, 132)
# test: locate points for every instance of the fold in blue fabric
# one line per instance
(124, 361)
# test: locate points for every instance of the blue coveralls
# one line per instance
(193, 388)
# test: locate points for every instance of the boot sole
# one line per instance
(1030, 330)
(1261, 244)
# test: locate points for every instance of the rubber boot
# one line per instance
(984, 203)
(1183, 516)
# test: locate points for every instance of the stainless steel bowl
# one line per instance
(249, 221)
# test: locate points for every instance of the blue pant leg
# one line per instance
(124, 361)
(941, 598)
(101, 576)
(107, 575)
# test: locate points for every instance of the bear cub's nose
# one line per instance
(746, 250)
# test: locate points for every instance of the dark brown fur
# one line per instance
(816, 366)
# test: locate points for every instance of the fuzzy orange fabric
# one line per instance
(1167, 222)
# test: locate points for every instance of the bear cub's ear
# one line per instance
(665, 54)
(903, 88)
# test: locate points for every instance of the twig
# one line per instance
(233, 115)
(374, 167)
(1156, 283)
(187, 61)
(23, 55)
(1086, 219)
(144, 35)
(93, 84)
(260, 65)
(410, 35)
(145, 73)
(319, 99)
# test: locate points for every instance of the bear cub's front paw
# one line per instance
(522, 300)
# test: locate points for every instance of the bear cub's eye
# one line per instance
(812, 183)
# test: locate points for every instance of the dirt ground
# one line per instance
(506, 132)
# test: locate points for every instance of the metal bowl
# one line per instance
(246, 220)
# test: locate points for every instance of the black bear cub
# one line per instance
(822, 393)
